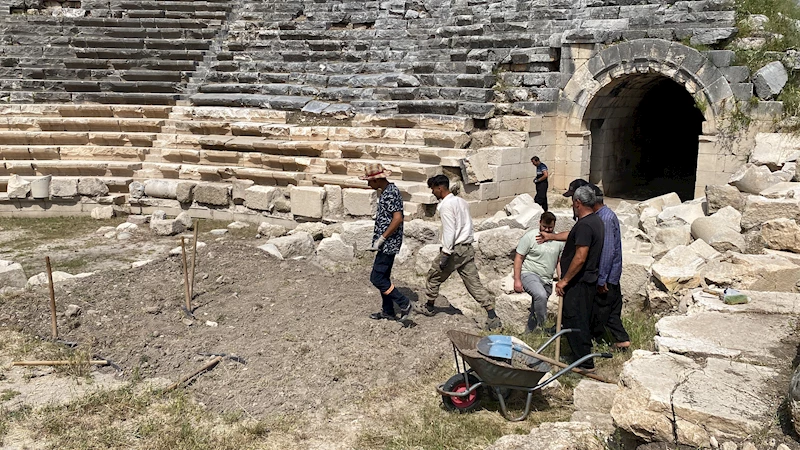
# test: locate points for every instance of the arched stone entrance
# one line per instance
(644, 137)
(642, 119)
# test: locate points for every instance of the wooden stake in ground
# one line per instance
(558, 327)
(53, 322)
(194, 258)
(186, 277)
(186, 378)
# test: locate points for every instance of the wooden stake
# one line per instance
(99, 362)
(186, 277)
(186, 378)
(558, 327)
(194, 259)
(53, 322)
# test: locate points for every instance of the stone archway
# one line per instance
(614, 102)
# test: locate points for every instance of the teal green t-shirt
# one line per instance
(540, 259)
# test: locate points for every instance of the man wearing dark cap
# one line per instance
(576, 183)
(541, 182)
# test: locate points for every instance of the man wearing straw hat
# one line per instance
(386, 240)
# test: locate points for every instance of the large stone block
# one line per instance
(63, 187)
(12, 274)
(635, 277)
(770, 80)
(358, 234)
(159, 188)
(217, 194)
(660, 202)
(775, 149)
(551, 436)
(359, 202)
(521, 204)
(752, 179)
(687, 212)
(92, 187)
(721, 230)
(298, 244)
(594, 396)
(17, 187)
(478, 168)
(334, 250)
(421, 231)
(681, 267)
(103, 212)
(334, 203)
(758, 210)
(261, 198)
(781, 234)
(166, 227)
(307, 201)
(768, 272)
(185, 191)
(719, 196)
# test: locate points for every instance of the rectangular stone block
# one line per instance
(307, 201)
(212, 194)
(334, 206)
(359, 202)
(502, 156)
(63, 187)
(261, 198)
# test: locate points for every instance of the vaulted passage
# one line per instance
(644, 134)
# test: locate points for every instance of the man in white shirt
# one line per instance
(534, 265)
(456, 253)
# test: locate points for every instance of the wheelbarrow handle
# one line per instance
(573, 367)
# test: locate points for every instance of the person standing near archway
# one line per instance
(541, 182)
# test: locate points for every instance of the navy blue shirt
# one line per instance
(540, 170)
(389, 203)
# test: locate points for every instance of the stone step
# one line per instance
(139, 43)
(189, 55)
(149, 33)
(74, 168)
(215, 113)
(118, 86)
(127, 22)
(174, 5)
(73, 152)
(77, 138)
(87, 110)
(105, 74)
(158, 14)
(81, 124)
(280, 102)
(114, 184)
(188, 65)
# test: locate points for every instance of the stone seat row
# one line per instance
(104, 74)
(339, 94)
(114, 184)
(126, 98)
(194, 5)
(7, 84)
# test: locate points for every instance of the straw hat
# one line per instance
(375, 171)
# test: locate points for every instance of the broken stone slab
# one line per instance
(758, 338)
(668, 235)
(135, 189)
(720, 230)
(63, 187)
(359, 202)
(41, 278)
(781, 234)
(553, 436)
(687, 212)
(520, 204)
(186, 219)
(752, 179)
(603, 423)
(635, 277)
(668, 398)
(681, 267)
(784, 189)
(496, 248)
(660, 202)
(358, 234)
(758, 210)
(526, 220)
(269, 230)
(594, 396)
(12, 274)
(787, 303)
(261, 198)
(178, 250)
(102, 212)
(160, 188)
(167, 227)
(216, 194)
(92, 187)
(514, 308)
(299, 244)
(478, 169)
(185, 191)
(17, 187)
(307, 201)
(753, 272)
(775, 149)
(421, 231)
(770, 80)
(272, 250)
(315, 229)
(719, 196)
(334, 250)
(238, 225)
(425, 256)
(334, 203)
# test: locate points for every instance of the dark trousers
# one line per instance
(607, 315)
(381, 271)
(577, 313)
(541, 194)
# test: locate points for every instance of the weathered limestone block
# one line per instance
(334, 203)
(520, 204)
(513, 308)
(269, 230)
(783, 189)
(421, 231)
(358, 233)
(299, 244)
(136, 189)
(525, 220)
(665, 396)
(681, 267)
(159, 188)
(17, 187)
(752, 179)
(787, 303)
(781, 234)
(553, 436)
(775, 149)
(40, 187)
(635, 277)
(754, 272)
(758, 210)
(12, 274)
(261, 198)
(237, 189)
(166, 227)
(186, 219)
(63, 187)
(669, 235)
(334, 250)
(307, 201)
(758, 338)
(594, 396)
(41, 278)
(660, 202)
(315, 229)
(359, 202)
(217, 194)
(720, 230)
(770, 80)
(92, 187)
(184, 192)
(496, 248)
(103, 212)
(478, 169)
(687, 212)
(425, 257)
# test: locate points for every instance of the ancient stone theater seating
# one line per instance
(305, 93)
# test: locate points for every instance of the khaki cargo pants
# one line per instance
(463, 261)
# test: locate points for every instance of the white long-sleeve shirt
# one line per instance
(456, 222)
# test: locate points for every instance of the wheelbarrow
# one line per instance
(462, 392)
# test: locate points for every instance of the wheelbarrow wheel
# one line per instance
(465, 404)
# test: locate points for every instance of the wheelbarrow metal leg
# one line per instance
(505, 411)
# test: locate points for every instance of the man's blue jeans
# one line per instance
(380, 278)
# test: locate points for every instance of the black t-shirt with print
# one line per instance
(588, 231)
